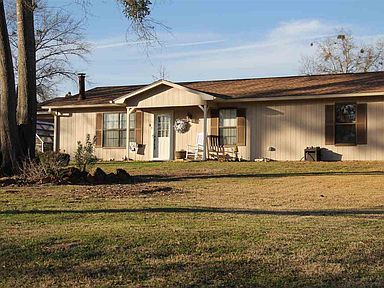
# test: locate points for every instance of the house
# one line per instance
(263, 117)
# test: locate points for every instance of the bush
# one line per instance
(62, 159)
(84, 156)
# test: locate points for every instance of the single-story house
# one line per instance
(273, 118)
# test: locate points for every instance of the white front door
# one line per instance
(162, 144)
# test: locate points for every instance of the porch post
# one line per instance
(205, 110)
(56, 123)
(130, 110)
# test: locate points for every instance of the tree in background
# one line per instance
(135, 10)
(59, 39)
(342, 54)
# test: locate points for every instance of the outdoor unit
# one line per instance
(312, 154)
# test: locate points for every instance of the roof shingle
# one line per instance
(372, 82)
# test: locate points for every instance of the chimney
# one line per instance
(81, 86)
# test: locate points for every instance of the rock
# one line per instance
(123, 176)
(46, 180)
(6, 181)
(111, 178)
(99, 176)
(73, 172)
(90, 178)
(75, 175)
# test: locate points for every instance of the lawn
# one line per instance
(282, 224)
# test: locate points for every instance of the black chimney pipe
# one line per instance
(81, 86)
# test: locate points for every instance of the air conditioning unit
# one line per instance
(312, 154)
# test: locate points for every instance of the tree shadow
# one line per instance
(210, 210)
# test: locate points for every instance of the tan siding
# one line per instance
(165, 96)
(290, 127)
(76, 127)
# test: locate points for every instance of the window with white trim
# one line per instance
(345, 123)
(114, 129)
(228, 126)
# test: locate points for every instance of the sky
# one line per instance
(215, 39)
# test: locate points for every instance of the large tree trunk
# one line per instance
(26, 100)
(8, 128)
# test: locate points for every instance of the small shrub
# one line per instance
(84, 156)
(46, 168)
(62, 159)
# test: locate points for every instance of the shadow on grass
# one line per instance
(171, 178)
(208, 210)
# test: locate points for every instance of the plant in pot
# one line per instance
(181, 154)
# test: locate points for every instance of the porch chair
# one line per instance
(196, 150)
(215, 148)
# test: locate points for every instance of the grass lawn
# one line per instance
(282, 224)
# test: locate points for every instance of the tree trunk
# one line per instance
(26, 100)
(8, 128)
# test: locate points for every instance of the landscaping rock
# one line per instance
(123, 176)
(111, 178)
(100, 176)
(90, 178)
(6, 181)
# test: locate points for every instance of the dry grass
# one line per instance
(201, 224)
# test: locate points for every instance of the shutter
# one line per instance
(99, 130)
(215, 122)
(139, 127)
(329, 124)
(241, 113)
(361, 124)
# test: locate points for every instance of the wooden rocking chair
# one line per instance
(215, 148)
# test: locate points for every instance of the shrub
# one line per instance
(62, 159)
(84, 156)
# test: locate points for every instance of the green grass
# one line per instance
(283, 224)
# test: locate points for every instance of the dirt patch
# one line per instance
(117, 191)
(101, 191)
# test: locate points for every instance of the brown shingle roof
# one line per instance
(251, 88)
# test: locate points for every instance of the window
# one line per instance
(345, 123)
(228, 126)
(132, 126)
(114, 129)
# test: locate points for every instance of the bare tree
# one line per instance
(341, 54)
(136, 10)
(59, 39)
(162, 74)
(8, 128)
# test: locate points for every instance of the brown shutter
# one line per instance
(329, 124)
(215, 122)
(241, 113)
(139, 127)
(361, 124)
(99, 130)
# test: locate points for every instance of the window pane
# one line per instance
(123, 121)
(345, 134)
(227, 117)
(111, 121)
(123, 138)
(345, 113)
(228, 135)
(111, 138)
(132, 135)
(132, 127)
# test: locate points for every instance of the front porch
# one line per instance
(154, 110)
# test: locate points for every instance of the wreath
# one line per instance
(181, 125)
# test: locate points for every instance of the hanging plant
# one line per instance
(181, 126)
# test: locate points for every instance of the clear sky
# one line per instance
(217, 39)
